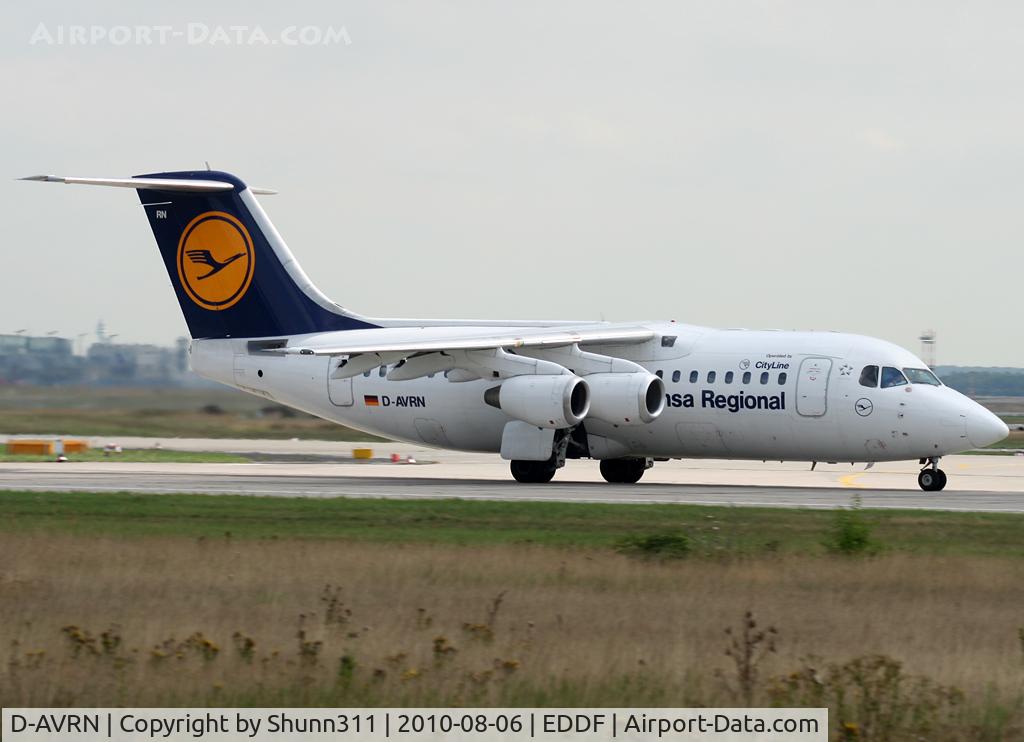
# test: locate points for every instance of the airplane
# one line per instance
(536, 392)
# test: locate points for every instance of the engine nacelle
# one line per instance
(626, 399)
(545, 401)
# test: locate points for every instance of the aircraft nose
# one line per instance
(984, 428)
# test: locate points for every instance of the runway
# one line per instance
(977, 483)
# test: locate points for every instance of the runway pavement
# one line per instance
(976, 483)
(321, 484)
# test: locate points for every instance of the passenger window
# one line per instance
(728, 377)
(431, 376)
(676, 375)
(367, 373)
(746, 377)
(711, 377)
(764, 377)
(693, 377)
(660, 374)
(869, 376)
(383, 372)
(892, 377)
(782, 378)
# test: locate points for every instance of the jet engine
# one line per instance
(626, 399)
(542, 400)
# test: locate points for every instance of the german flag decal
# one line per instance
(370, 400)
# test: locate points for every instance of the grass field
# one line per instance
(159, 413)
(713, 532)
(908, 644)
(121, 599)
(1003, 405)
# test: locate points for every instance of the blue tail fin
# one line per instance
(231, 271)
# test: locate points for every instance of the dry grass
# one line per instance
(215, 412)
(419, 624)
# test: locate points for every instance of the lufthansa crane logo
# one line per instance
(215, 260)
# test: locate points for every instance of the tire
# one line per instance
(931, 480)
(623, 471)
(532, 472)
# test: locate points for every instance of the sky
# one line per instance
(804, 165)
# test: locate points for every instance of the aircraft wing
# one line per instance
(473, 352)
(413, 340)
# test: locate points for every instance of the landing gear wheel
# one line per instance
(623, 471)
(931, 480)
(533, 472)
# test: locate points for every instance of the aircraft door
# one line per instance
(812, 387)
(339, 391)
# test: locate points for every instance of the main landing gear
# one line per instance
(617, 471)
(624, 471)
(931, 478)
(534, 472)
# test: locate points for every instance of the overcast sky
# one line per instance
(813, 165)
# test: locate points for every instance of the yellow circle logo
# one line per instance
(215, 260)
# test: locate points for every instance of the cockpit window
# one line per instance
(869, 376)
(892, 377)
(921, 376)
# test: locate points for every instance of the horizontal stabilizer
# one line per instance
(156, 184)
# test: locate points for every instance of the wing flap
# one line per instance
(430, 342)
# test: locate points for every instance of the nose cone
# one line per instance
(984, 428)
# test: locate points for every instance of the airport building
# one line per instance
(48, 360)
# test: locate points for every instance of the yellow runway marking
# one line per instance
(849, 480)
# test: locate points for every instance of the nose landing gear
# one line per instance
(931, 478)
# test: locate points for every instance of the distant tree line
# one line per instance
(980, 383)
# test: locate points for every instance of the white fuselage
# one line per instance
(738, 394)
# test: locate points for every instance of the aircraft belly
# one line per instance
(820, 439)
(698, 433)
(701, 439)
(431, 411)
